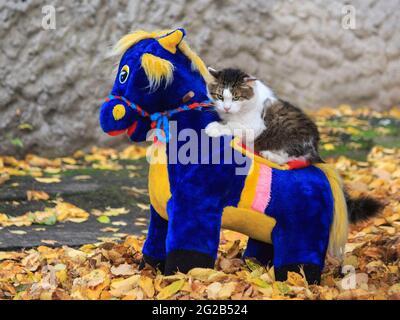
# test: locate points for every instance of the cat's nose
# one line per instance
(227, 108)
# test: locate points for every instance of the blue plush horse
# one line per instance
(291, 215)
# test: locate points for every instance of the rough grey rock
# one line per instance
(55, 80)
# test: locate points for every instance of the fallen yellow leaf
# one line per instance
(48, 180)
(171, 289)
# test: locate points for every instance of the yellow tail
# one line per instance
(339, 227)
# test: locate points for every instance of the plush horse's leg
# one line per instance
(194, 224)
(299, 246)
(199, 193)
(263, 252)
(302, 204)
(154, 252)
(193, 238)
(311, 271)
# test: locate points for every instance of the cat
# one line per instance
(279, 131)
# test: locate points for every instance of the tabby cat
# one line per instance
(248, 108)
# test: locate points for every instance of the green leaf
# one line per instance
(103, 219)
(22, 287)
(49, 221)
(253, 266)
(52, 220)
(31, 217)
(282, 287)
(25, 126)
(260, 282)
(17, 142)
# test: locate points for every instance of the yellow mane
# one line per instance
(131, 39)
(157, 69)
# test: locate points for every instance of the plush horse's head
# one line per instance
(157, 72)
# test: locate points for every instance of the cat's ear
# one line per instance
(213, 72)
(249, 79)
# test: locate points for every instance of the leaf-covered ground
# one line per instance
(363, 144)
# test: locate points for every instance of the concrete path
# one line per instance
(100, 189)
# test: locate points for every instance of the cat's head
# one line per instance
(231, 90)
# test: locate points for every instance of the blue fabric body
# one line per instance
(302, 204)
(201, 191)
(301, 200)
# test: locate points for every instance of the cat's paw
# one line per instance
(216, 129)
(276, 157)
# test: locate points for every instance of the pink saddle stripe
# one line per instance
(263, 189)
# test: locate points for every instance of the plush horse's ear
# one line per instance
(171, 40)
(213, 72)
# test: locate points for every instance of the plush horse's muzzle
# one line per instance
(118, 115)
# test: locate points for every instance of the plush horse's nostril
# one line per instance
(118, 112)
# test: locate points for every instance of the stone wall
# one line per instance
(53, 81)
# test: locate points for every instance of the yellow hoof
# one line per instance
(118, 112)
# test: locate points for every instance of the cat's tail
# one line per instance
(362, 208)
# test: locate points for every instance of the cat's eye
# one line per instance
(220, 97)
(236, 98)
(124, 74)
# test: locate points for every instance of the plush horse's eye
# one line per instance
(124, 74)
